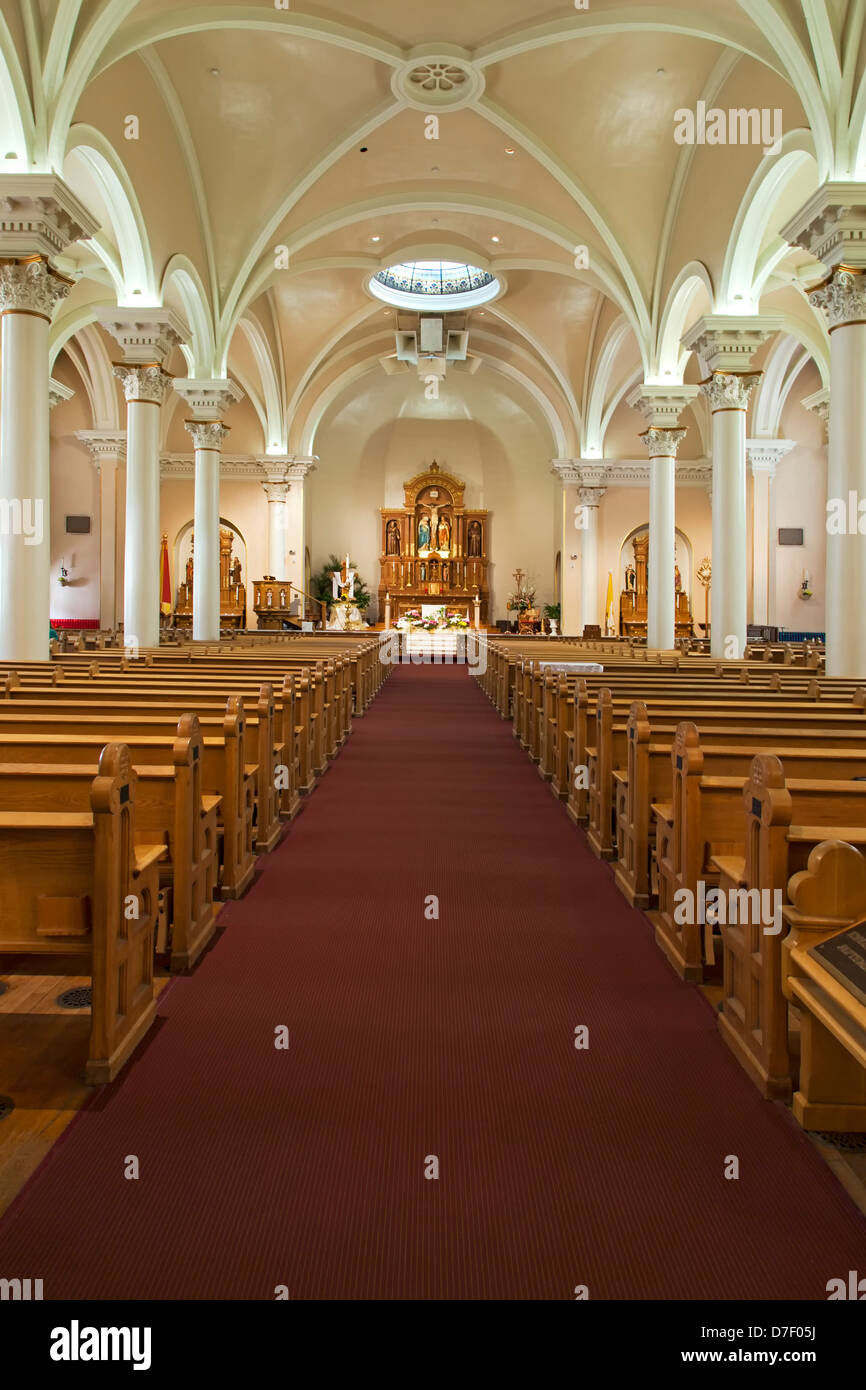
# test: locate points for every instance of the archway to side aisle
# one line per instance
(431, 933)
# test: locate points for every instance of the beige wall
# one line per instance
(74, 491)
(383, 432)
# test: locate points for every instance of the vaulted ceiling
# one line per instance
(253, 165)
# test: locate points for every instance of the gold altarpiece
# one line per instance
(434, 548)
(233, 599)
(633, 600)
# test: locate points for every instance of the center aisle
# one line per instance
(412, 1037)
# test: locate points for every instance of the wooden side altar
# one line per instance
(233, 601)
(434, 548)
(633, 599)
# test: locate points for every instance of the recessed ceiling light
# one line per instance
(375, 238)
(214, 72)
(363, 149)
(509, 150)
(435, 169)
(494, 238)
(660, 70)
(435, 221)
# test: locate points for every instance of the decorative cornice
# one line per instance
(819, 402)
(662, 406)
(31, 287)
(832, 225)
(57, 393)
(207, 434)
(662, 443)
(727, 343)
(240, 466)
(730, 390)
(102, 444)
(208, 399)
(608, 473)
(765, 455)
(842, 298)
(145, 335)
(39, 215)
(300, 469)
(144, 383)
(566, 470)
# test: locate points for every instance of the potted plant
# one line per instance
(552, 614)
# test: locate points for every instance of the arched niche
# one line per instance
(683, 556)
(183, 548)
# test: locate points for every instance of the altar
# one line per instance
(434, 547)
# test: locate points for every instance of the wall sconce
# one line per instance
(64, 574)
(805, 590)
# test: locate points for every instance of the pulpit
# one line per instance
(434, 547)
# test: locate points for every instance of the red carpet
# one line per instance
(411, 1037)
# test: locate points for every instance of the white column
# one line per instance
(29, 291)
(296, 519)
(569, 545)
(145, 389)
(661, 407)
(589, 499)
(277, 494)
(147, 337)
(106, 451)
(843, 299)
(764, 456)
(662, 447)
(208, 399)
(208, 436)
(727, 344)
(832, 226)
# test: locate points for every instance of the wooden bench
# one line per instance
(703, 820)
(76, 884)
(225, 773)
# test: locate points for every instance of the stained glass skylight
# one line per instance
(454, 284)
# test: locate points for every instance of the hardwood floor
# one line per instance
(43, 1049)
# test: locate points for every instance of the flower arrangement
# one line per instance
(457, 621)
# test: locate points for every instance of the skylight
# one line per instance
(448, 284)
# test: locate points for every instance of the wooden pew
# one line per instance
(784, 821)
(129, 700)
(225, 773)
(704, 820)
(75, 883)
(171, 812)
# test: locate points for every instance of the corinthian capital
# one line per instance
(591, 496)
(730, 390)
(31, 287)
(842, 297)
(276, 492)
(207, 434)
(662, 443)
(144, 383)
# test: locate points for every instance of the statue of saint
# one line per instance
(630, 578)
(392, 545)
(444, 536)
(236, 571)
(189, 569)
(475, 539)
(424, 533)
(678, 580)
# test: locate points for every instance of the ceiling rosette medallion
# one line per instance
(443, 80)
